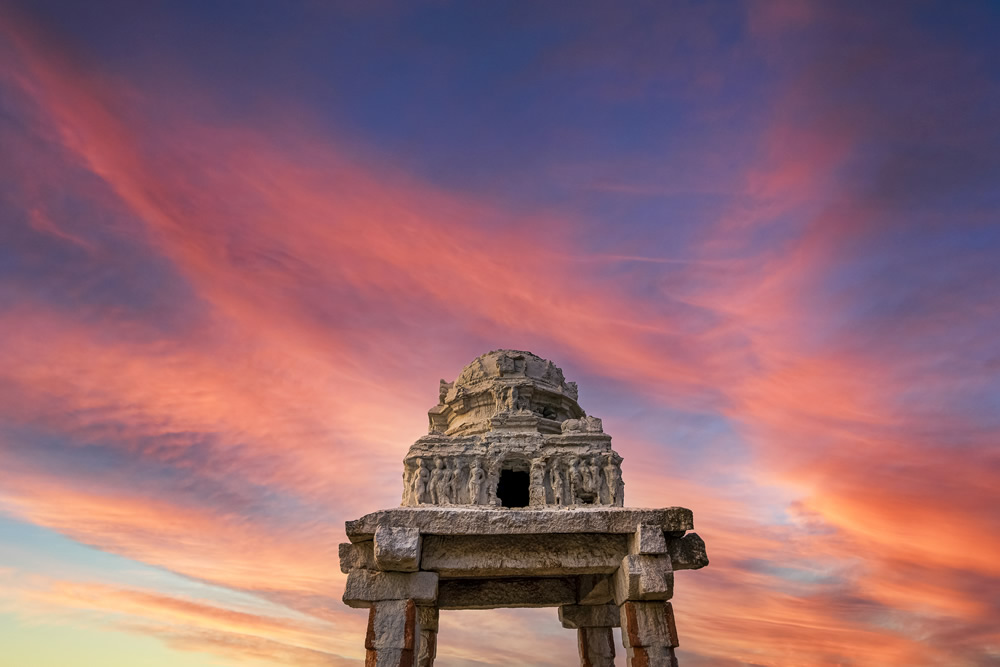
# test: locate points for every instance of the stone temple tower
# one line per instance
(515, 498)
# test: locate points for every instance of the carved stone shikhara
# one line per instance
(511, 412)
(515, 499)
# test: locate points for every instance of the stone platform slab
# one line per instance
(477, 520)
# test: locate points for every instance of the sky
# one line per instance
(241, 243)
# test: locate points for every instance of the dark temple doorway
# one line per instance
(513, 488)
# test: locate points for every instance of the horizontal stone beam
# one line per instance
(367, 586)
(522, 555)
(577, 616)
(499, 593)
(595, 589)
(481, 521)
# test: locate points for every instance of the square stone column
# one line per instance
(393, 637)
(595, 637)
(649, 634)
(427, 618)
(597, 647)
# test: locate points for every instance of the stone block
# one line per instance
(482, 521)
(646, 624)
(360, 555)
(597, 647)
(651, 656)
(397, 549)
(521, 555)
(589, 616)
(595, 589)
(390, 657)
(688, 552)
(511, 592)
(366, 586)
(428, 648)
(647, 539)
(392, 624)
(642, 577)
(427, 617)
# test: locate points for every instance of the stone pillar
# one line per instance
(594, 633)
(427, 618)
(597, 647)
(393, 637)
(649, 634)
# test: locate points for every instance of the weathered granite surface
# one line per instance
(493, 521)
(522, 555)
(589, 616)
(515, 499)
(510, 411)
(510, 592)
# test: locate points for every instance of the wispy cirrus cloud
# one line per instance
(261, 387)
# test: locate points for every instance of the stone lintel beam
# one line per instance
(359, 556)
(644, 578)
(647, 539)
(576, 616)
(511, 592)
(521, 555)
(397, 549)
(597, 647)
(367, 586)
(688, 552)
(479, 520)
(595, 589)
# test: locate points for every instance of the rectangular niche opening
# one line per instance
(513, 488)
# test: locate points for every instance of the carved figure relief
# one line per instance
(455, 483)
(613, 477)
(477, 477)
(536, 490)
(421, 476)
(575, 481)
(557, 481)
(437, 482)
(595, 478)
(492, 482)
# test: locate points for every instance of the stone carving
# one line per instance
(537, 483)
(439, 485)
(420, 479)
(510, 426)
(575, 481)
(455, 483)
(583, 425)
(492, 483)
(613, 477)
(477, 477)
(558, 482)
(595, 479)
(508, 405)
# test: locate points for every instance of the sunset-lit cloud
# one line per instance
(762, 238)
